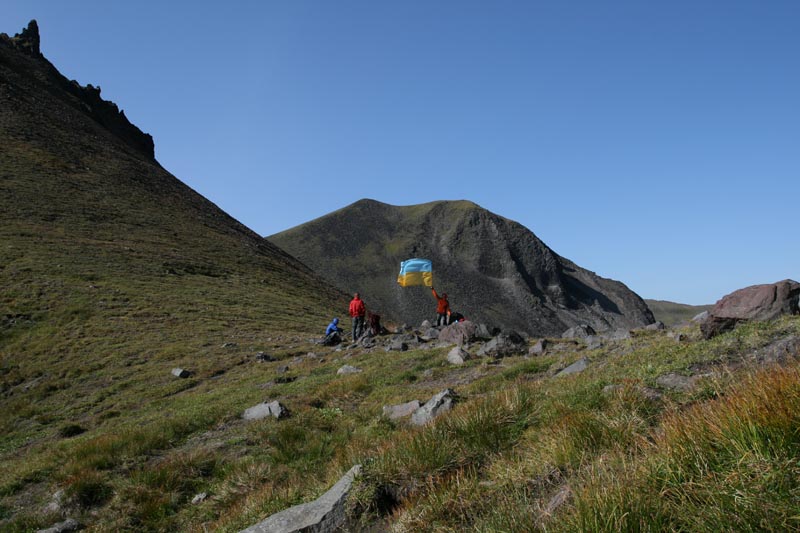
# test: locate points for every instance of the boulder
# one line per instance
(199, 498)
(677, 336)
(397, 345)
(655, 326)
(393, 412)
(504, 345)
(440, 403)
(578, 366)
(425, 326)
(700, 317)
(459, 333)
(593, 342)
(264, 357)
(348, 369)
(580, 331)
(779, 351)
(458, 356)
(326, 513)
(181, 373)
(482, 332)
(274, 409)
(539, 347)
(755, 303)
(617, 335)
(430, 334)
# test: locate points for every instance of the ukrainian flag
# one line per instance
(415, 272)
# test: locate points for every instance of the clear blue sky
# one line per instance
(657, 143)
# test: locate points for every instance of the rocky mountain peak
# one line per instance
(28, 69)
(495, 270)
(26, 41)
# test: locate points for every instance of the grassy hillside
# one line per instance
(671, 313)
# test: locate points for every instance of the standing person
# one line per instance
(357, 311)
(442, 308)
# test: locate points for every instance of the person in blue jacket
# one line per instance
(333, 333)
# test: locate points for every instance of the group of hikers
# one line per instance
(358, 314)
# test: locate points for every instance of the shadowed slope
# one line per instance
(493, 269)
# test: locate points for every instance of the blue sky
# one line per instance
(656, 143)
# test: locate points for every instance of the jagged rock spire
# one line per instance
(28, 39)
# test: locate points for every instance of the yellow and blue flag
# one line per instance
(416, 272)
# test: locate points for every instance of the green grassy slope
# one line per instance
(671, 313)
(112, 273)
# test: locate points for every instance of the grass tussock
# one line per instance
(731, 464)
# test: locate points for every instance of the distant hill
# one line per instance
(494, 269)
(671, 313)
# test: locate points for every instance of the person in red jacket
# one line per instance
(357, 311)
(442, 308)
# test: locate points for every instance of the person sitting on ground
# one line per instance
(333, 334)
(357, 311)
(442, 308)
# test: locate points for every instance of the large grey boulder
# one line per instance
(274, 409)
(459, 333)
(504, 345)
(440, 403)
(325, 514)
(580, 331)
(393, 412)
(755, 303)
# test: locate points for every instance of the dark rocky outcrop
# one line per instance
(494, 270)
(86, 99)
(754, 303)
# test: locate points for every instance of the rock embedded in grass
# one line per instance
(70, 524)
(438, 404)
(181, 373)
(578, 366)
(348, 369)
(274, 409)
(458, 356)
(326, 513)
(394, 412)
